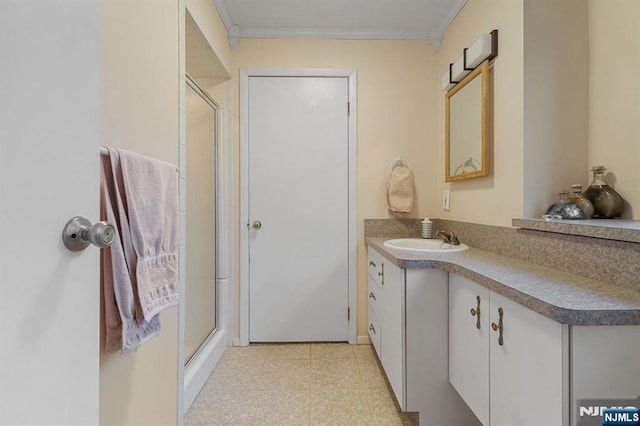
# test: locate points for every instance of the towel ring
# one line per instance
(469, 162)
(399, 162)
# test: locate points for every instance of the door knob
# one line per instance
(78, 233)
(256, 225)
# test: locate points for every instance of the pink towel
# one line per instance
(151, 188)
(125, 326)
(141, 266)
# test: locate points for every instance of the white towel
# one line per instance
(400, 190)
(125, 326)
(151, 188)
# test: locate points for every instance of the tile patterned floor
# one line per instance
(298, 384)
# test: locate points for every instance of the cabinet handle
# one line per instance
(371, 263)
(372, 296)
(498, 326)
(476, 312)
(372, 328)
(381, 274)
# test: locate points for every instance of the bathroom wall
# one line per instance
(539, 112)
(208, 20)
(497, 198)
(396, 116)
(565, 97)
(556, 103)
(139, 51)
(614, 96)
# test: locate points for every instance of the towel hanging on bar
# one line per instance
(141, 269)
(105, 151)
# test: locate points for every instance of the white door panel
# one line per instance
(49, 172)
(298, 190)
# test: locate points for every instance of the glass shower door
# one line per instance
(200, 287)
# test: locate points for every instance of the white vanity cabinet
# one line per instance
(507, 362)
(386, 319)
(408, 310)
(461, 354)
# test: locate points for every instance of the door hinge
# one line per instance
(349, 313)
(348, 109)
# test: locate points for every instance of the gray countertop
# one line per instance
(610, 229)
(560, 296)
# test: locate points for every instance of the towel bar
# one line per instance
(105, 151)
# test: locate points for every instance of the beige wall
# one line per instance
(556, 105)
(210, 24)
(497, 198)
(396, 116)
(540, 106)
(614, 126)
(139, 51)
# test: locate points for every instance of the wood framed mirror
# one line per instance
(466, 126)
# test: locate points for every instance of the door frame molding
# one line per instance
(245, 74)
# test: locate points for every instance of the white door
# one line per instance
(298, 187)
(49, 172)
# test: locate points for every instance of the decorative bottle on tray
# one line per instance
(607, 203)
(563, 209)
(581, 201)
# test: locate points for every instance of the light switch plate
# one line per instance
(445, 200)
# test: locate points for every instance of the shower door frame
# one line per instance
(201, 364)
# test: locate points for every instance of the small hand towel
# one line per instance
(125, 326)
(151, 188)
(400, 190)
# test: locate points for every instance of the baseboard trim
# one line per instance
(360, 340)
(363, 340)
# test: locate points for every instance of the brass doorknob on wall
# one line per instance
(79, 233)
(256, 225)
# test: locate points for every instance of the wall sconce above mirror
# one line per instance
(484, 48)
(467, 110)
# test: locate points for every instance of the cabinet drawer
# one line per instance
(374, 295)
(375, 267)
(373, 328)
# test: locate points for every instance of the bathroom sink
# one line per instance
(424, 245)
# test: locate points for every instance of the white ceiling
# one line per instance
(343, 19)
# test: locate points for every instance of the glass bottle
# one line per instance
(564, 209)
(607, 203)
(581, 201)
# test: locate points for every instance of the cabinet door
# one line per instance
(469, 343)
(526, 370)
(392, 320)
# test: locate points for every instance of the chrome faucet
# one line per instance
(448, 237)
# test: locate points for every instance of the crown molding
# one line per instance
(350, 34)
(433, 37)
